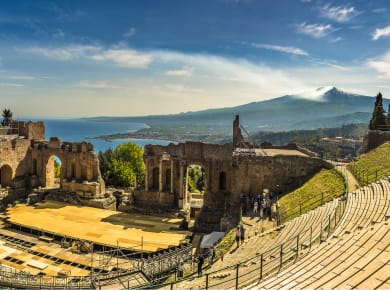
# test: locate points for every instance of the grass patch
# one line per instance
(372, 166)
(321, 188)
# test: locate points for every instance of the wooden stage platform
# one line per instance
(103, 227)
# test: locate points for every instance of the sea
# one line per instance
(78, 130)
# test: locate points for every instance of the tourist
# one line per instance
(200, 264)
(238, 235)
(255, 207)
(262, 208)
(180, 269)
(222, 254)
(242, 231)
(211, 255)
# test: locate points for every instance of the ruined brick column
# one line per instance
(172, 190)
(160, 176)
(147, 174)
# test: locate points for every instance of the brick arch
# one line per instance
(80, 171)
(6, 175)
(172, 162)
(206, 170)
(49, 177)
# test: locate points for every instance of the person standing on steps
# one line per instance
(242, 232)
(180, 270)
(238, 235)
(200, 264)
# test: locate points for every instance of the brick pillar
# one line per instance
(172, 190)
(160, 176)
(147, 175)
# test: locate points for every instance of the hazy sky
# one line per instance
(93, 58)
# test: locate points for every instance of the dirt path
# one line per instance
(352, 182)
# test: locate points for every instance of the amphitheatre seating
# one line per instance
(317, 220)
(285, 234)
(360, 261)
(366, 205)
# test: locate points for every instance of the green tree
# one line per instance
(195, 179)
(123, 166)
(57, 169)
(133, 155)
(122, 174)
(378, 119)
(7, 117)
(105, 162)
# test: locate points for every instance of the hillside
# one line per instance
(321, 188)
(329, 108)
(372, 166)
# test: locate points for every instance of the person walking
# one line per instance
(242, 231)
(180, 270)
(211, 255)
(200, 264)
(255, 208)
(238, 235)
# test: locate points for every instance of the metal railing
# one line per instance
(366, 177)
(260, 265)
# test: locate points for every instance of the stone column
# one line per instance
(172, 190)
(147, 175)
(160, 176)
(182, 189)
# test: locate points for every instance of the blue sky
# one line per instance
(93, 58)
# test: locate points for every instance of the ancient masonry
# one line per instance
(27, 162)
(230, 170)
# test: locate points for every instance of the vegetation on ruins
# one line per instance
(373, 165)
(196, 179)
(57, 168)
(321, 188)
(7, 117)
(378, 120)
(123, 166)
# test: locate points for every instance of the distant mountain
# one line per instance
(324, 108)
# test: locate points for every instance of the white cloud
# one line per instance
(129, 33)
(97, 85)
(65, 53)
(380, 10)
(336, 39)
(315, 30)
(339, 13)
(381, 65)
(286, 49)
(179, 72)
(125, 58)
(380, 32)
(20, 77)
(11, 85)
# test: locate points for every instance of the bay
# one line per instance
(78, 130)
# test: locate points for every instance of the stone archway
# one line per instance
(6, 176)
(52, 176)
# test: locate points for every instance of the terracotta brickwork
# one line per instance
(230, 170)
(27, 161)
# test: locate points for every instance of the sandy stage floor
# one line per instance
(99, 226)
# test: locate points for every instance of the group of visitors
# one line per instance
(259, 206)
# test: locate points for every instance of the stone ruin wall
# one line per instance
(242, 173)
(252, 174)
(26, 157)
(171, 163)
(14, 159)
(80, 171)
